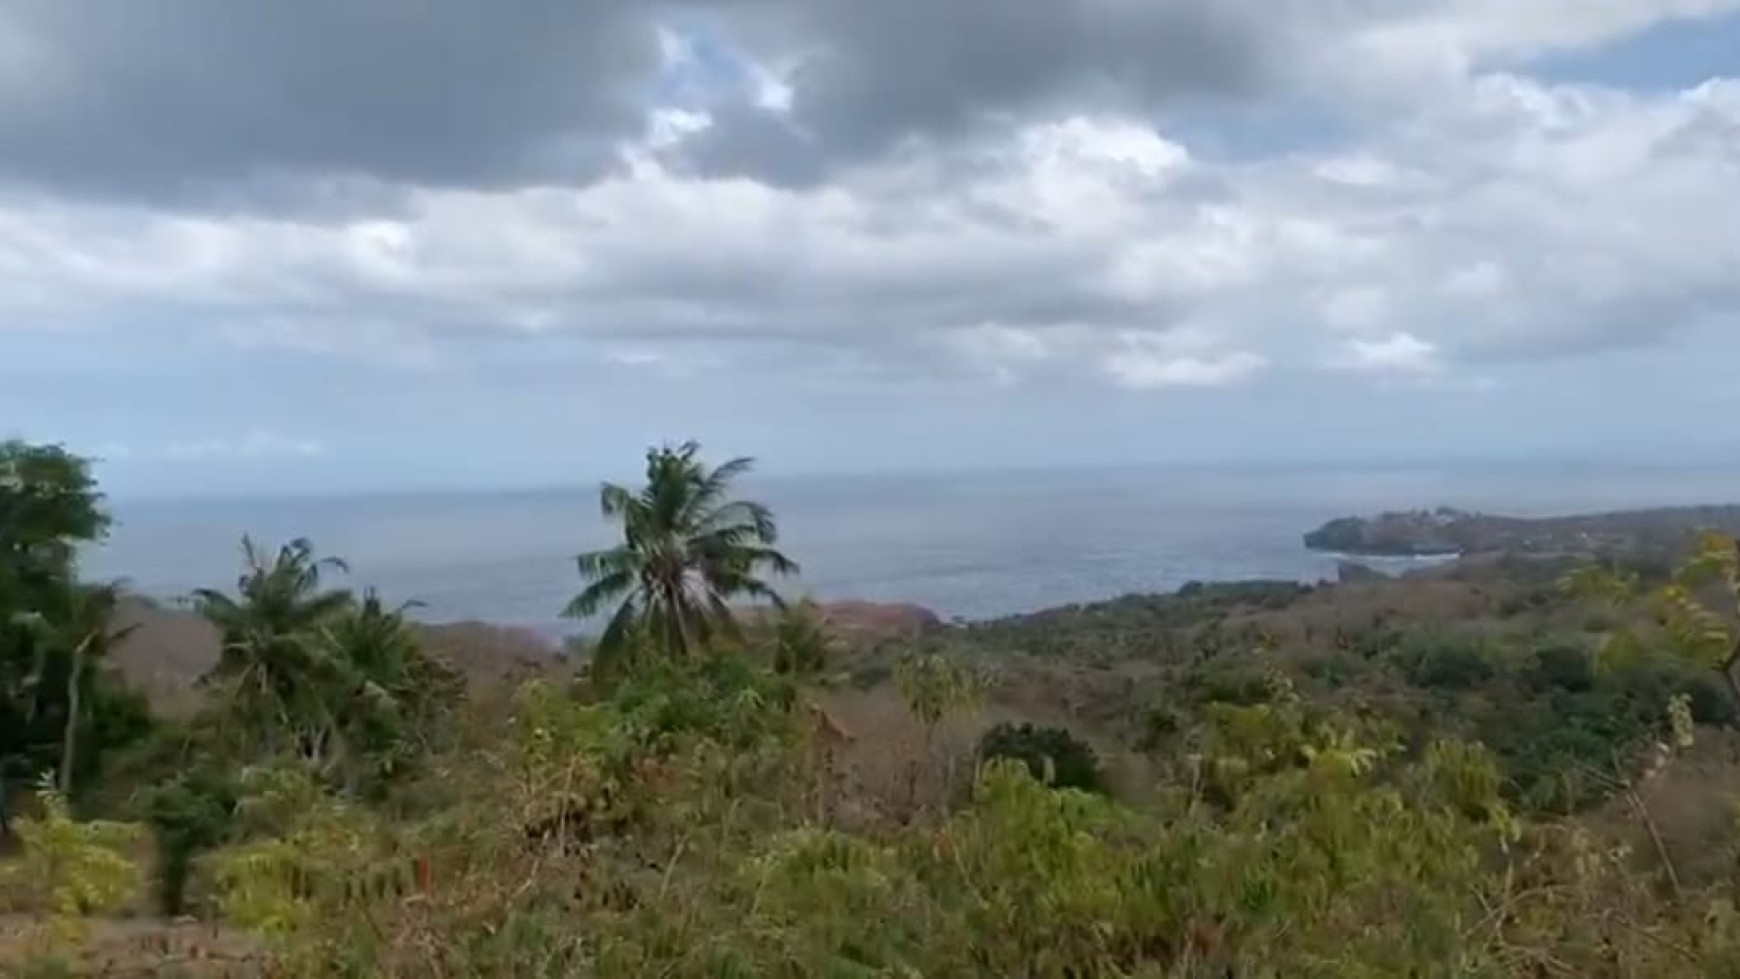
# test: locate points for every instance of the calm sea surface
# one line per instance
(969, 546)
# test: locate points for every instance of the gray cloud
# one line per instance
(995, 199)
(868, 76)
(328, 106)
(242, 102)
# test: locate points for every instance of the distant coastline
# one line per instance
(1447, 532)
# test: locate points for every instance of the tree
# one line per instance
(49, 507)
(1052, 755)
(398, 694)
(277, 663)
(687, 550)
(84, 630)
(802, 644)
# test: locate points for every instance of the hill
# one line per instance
(1446, 531)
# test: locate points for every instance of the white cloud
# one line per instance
(1359, 170)
(1149, 362)
(254, 445)
(1398, 352)
(773, 89)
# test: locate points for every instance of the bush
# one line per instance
(1560, 668)
(1445, 663)
(1240, 684)
(1335, 668)
(1051, 754)
(1711, 703)
(188, 815)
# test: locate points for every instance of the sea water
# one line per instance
(975, 545)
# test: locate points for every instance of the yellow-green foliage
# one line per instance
(314, 856)
(65, 871)
(1693, 613)
(661, 833)
(69, 868)
(935, 687)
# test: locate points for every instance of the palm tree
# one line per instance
(276, 659)
(803, 645)
(687, 550)
(393, 678)
(376, 640)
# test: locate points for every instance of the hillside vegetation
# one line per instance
(1634, 533)
(1513, 766)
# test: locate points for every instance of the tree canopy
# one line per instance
(53, 629)
(688, 549)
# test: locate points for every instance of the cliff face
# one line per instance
(1445, 531)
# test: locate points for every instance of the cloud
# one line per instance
(1142, 371)
(343, 108)
(1527, 226)
(1147, 361)
(254, 445)
(779, 191)
(268, 104)
(967, 69)
(1398, 352)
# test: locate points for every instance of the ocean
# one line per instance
(967, 546)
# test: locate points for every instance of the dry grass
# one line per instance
(138, 948)
(1694, 803)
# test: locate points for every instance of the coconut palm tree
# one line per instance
(399, 690)
(276, 660)
(687, 550)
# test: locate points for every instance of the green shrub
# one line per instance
(1335, 668)
(1051, 754)
(1711, 703)
(1446, 663)
(1237, 683)
(188, 816)
(1560, 667)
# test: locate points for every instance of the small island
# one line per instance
(1448, 532)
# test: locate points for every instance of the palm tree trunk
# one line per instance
(74, 691)
(679, 638)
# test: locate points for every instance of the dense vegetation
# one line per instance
(1433, 777)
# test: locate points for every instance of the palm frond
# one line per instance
(594, 564)
(687, 550)
(741, 513)
(599, 593)
(613, 499)
(617, 632)
(707, 490)
(754, 558)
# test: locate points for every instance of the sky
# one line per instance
(298, 247)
